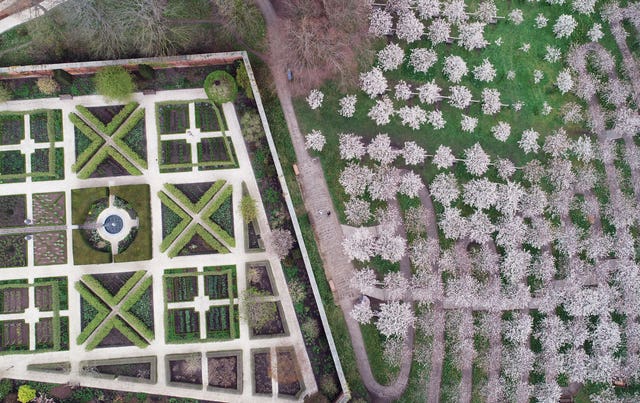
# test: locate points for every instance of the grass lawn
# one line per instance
(81, 201)
(138, 197)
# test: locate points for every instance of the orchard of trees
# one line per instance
(507, 169)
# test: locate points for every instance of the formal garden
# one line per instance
(486, 173)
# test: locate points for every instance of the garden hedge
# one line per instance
(97, 320)
(139, 198)
(186, 219)
(96, 142)
(114, 124)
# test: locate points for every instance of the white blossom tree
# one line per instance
(479, 227)
(373, 82)
(552, 54)
(438, 31)
(529, 141)
(390, 247)
(390, 57)
(410, 184)
(454, 68)
(583, 6)
(501, 131)
(452, 224)
(541, 21)
(355, 179)
(360, 245)
(476, 160)
(402, 91)
(480, 193)
(384, 183)
(412, 116)
(487, 11)
(471, 36)
(364, 280)
(357, 211)
(436, 119)
(505, 168)
(459, 96)
(428, 9)
(422, 59)
(315, 140)
(429, 92)
(395, 318)
(485, 71)
(564, 26)
(281, 242)
(315, 98)
(468, 123)
(556, 144)
(382, 111)
(351, 146)
(413, 154)
(515, 16)
(490, 101)
(454, 11)
(595, 33)
(564, 82)
(380, 149)
(444, 188)
(443, 157)
(362, 312)
(409, 27)
(348, 106)
(380, 22)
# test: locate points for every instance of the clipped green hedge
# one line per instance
(166, 242)
(130, 334)
(183, 241)
(123, 130)
(115, 123)
(128, 286)
(222, 197)
(96, 321)
(91, 135)
(220, 87)
(98, 289)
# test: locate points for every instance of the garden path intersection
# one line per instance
(15, 365)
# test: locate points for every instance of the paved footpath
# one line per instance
(338, 268)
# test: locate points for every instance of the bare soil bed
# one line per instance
(186, 371)
(288, 382)
(44, 333)
(49, 208)
(223, 372)
(106, 113)
(113, 282)
(109, 167)
(135, 370)
(194, 191)
(197, 246)
(262, 373)
(43, 297)
(258, 278)
(12, 210)
(115, 339)
(15, 335)
(272, 327)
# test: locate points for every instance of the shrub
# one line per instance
(62, 77)
(251, 126)
(48, 85)
(310, 330)
(114, 83)
(258, 313)
(220, 87)
(5, 388)
(5, 93)
(26, 394)
(328, 386)
(297, 291)
(147, 72)
(243, 80)
(248, 208)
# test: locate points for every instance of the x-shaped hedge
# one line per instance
(196, 218)
(114, 310)
(107, 140)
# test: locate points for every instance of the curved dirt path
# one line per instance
(338, 268)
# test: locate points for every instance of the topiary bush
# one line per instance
(114, 83)
(26, 394)
(220, 87)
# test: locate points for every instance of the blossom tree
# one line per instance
(487, 11)
(362, 312)
(459, 97)
(436, 119)
(564, 82)
(541, 21)
(382, 111)
(422, 59)
(380, 22)
(373, 82)
(501, 131)
(281, 242)
(429, 92)
(584, 6)
(529, 141)
(557, 144)
(364, 280)
(380, 149)
(480, 193)
(454, 11)
(390, 57)
(443, 157)
(564, 26)
(515, 16)
(476, 160)
(505, 168)
(351, 146)
(444, 188)
(595, 33)
(384, 183)
(411, 184)
(454, 68)
(360, 245)
(315, 140)
(490, 101)
(452, 223)
(390, 247)
(402, 91)
(412, 116)
(395, 318)
(468, 124)
(315, 98)
(413, 154)
(552, 54)
(438, 31)
(357, 211)
(409, 27)
(479, 227)
(428, 9)
(484, 71)
(348, 106)
(471, 36)
(355, 179)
